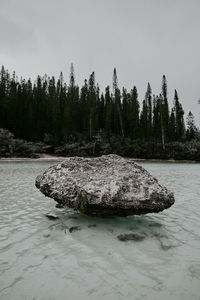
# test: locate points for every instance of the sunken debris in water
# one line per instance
(107, 185)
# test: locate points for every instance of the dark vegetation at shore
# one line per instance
(49, 116)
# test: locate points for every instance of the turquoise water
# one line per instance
(41, 259)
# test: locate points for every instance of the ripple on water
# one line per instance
(80, 257)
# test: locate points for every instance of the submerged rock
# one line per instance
(74, 228)
(59, 205)
(107, 185)
(92, 225)
(130, 236)
(51, 217)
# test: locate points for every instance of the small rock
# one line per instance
(165, 244)
(130, 236)
(46, 235)
(51, 217)
(92, 225)
(74, 228)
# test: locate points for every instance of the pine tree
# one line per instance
(143, 120)
(4, 109)
(84, 107)
(179, 117)
(73, 103)
(156, 123)
(191, 128)
(165, 108)
(148, 104)
(162, 111)
(134, 111)
(126, 112)
(117, 101)
(91, 104)
(172, 126)
(72, 77)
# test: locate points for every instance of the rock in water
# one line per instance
(130, 236)
(51, 217)
(74, 228)
(106, 185)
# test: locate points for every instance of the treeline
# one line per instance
(57, 113)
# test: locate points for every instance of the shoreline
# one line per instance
(42, 158)
(54, 158)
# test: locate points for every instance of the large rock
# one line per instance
(107, 185)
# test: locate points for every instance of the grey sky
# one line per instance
(142, 39)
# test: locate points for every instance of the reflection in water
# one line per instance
(80, 257)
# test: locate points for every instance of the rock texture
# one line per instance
(130, 236)
(107, 185)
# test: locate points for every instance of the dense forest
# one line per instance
(52, 116)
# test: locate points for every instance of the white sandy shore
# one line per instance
(43, 157)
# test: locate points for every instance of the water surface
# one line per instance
(40, 259)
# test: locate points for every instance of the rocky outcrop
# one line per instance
(107, 185)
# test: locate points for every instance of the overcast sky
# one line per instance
(142, 39)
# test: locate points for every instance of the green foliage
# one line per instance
(179, 119)
(82, 202)
(191, 132)
(59, 205)
(9, 146)
(85, 122)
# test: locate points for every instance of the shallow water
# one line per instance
(41, 259)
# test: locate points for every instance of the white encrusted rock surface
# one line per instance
(106, 185)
